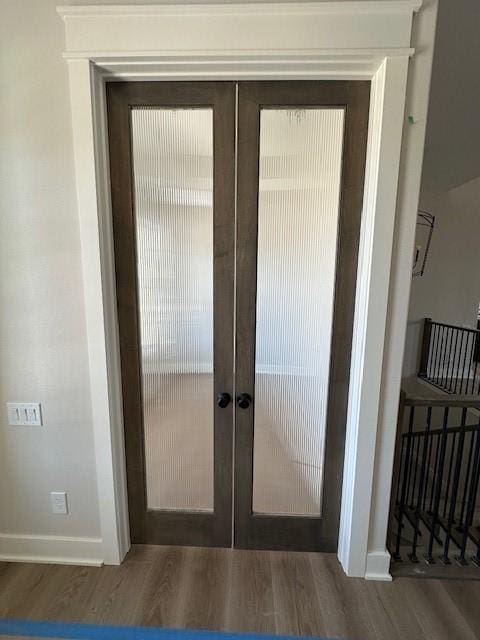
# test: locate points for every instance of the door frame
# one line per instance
(368, 40)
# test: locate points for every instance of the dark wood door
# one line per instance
(301, 158)
(299, 176)
(172, 163)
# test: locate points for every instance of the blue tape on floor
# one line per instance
(80, 631)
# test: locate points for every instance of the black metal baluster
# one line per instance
(474, 374)
(429, 460)
(445, 358)
(430, 351)
(459, 361)
(402, 464)
(476, 557)
(448, 377)
(456, 480)
(450, 467)
(437, 343)
(421, 484)
(471, 502)
(440, 358)
(470, 362)
(452, 370)
(412, 495)
(441, 355)
(438, 487)
(475, 490)
(435, 469)
(401, 506)
(410, 468)
(438, 351)
(465, 484)
(464, 362)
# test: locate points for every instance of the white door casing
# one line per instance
(349, 39)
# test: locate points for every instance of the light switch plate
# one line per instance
(24, 414)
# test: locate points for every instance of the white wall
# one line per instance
(43, 351)
(449, 290)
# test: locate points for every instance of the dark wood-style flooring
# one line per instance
(259, 591)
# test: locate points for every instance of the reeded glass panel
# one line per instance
(299, 194)
(173, 187)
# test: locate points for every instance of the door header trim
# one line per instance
(237, 33)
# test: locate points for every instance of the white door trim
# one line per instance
(361, 39)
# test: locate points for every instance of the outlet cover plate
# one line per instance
(58, 500)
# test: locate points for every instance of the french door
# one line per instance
(236, 216)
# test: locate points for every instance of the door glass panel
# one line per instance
(298, 208)
(173, 189)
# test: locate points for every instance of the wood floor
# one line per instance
(270, 592)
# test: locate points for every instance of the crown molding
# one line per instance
(240, 57)
(181, 8)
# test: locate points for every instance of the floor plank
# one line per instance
(162, 597)
(466, 596)
(298, 594)
(117, 595)
(293, 586)
(435, 611)
(390, 598)
(250, 604)
(340, 599)
(206, 590)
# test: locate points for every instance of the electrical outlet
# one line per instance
(27, 414)
(58, 500)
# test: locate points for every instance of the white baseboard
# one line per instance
(51, 549)
(378, 566)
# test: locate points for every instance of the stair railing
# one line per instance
(450, 357)
(436, 478)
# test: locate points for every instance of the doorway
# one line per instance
(236, 215)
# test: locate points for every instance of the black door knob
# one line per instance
(244, 400)
(223, 400)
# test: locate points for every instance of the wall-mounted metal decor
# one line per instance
(425, 225)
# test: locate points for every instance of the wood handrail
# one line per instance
(468, 401)
(438, 432)
(453, 326)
